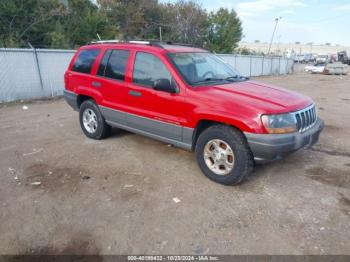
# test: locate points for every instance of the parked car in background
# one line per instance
(308, 58)
(343, 57)
(299, 58)
(322, 59)
(189, 98)
(333, 58)
(316, 68)
(336, 68)
(304, 58)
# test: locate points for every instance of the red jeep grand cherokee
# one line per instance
(190, 98)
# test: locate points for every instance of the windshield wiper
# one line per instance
(230, 79)
(208, 80)
(236, 77)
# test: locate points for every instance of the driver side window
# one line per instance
(149, 68)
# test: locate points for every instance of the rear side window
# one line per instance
(85, 60)
(149, 68)
(113, 64)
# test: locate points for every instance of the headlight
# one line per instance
(279, 124)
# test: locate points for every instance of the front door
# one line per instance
(155, 112)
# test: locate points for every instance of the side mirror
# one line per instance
(164, 85)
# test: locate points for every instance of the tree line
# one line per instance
(72, 23)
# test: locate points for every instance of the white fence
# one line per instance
(259, 65)
(31, 74)
(28, 73)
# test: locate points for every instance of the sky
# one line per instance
(305, 21)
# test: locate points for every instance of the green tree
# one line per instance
(23, 21)
(135, 19)
(182, 21)
(58, 37)
(72, 23)
(225, 31)
(244, 51)
(84, 21)
(52, 23)
(185, 22)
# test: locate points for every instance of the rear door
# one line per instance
(111, 81)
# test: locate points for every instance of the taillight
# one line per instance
(66, 78)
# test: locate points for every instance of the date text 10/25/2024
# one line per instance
(173, 258)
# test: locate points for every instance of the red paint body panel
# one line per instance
(239, 104)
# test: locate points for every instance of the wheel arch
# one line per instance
(203, 124)
(82, 98)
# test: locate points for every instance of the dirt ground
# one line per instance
(116, 196)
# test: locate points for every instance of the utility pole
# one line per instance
(278, 44)
(273, 33)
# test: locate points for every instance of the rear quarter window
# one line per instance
(85, 60)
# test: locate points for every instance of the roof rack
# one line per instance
(120, 41)
(141, 42)
(175, 43)
(104, 42)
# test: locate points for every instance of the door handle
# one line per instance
(96, 84)
(134, 93)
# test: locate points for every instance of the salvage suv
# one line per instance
(190, 98)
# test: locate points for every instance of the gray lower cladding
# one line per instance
(71, 99)
(169, 133)
(265, 147)
(270, 147)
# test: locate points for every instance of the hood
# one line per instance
(258, 96)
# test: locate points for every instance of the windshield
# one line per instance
(204, 68)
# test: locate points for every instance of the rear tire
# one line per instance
(230, 159)
(92, 121)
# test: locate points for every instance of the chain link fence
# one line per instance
(32, 73)
(249, 65)
(38, 73)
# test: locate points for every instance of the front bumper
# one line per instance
(270, 147)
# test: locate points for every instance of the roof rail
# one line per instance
(116, 41)
(174, 43)
(142, 42)
(139, 42)
(105, 42)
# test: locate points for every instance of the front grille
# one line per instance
(306, 118)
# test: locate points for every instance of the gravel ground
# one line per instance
(116, 196)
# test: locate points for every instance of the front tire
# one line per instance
(223, 155)
(92, 121)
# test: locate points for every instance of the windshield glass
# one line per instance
(204, 68)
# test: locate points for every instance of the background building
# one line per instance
(298, 48)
